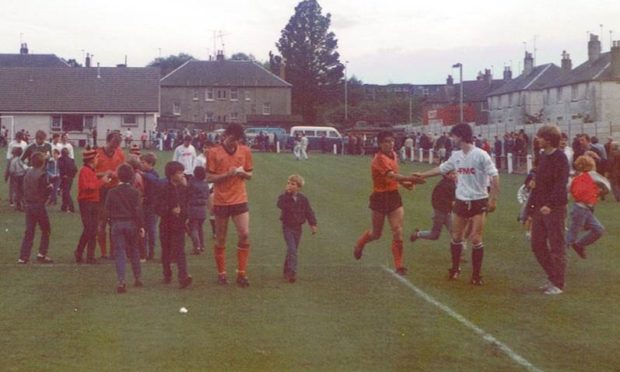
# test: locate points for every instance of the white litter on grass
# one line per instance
(183, 310)
(6, 230)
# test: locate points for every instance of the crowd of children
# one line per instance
(128, 195)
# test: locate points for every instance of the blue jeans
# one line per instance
(55, 181)
(440, 219)
(196, 232)
(582, 218)
(35, 214)
(292, 237)
(150, 225)
(172, 241)
(548, 243)
(125, 236)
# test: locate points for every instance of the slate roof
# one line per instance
(599, 70)
(31, 60)
(78, 89)
(227, 73)
(473, 91)
(540, 77)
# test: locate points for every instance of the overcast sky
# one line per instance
(388, 41)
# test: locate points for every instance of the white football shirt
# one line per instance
(473, 170)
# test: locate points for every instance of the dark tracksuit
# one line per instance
(172, 228)
(36, 191)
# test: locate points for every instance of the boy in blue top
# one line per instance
(151, 184)
(296, 210)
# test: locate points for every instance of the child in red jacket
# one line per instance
(585, 192)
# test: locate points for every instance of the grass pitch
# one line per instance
(340, 315)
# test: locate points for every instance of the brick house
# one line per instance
(211, 94)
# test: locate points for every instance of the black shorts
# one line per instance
(468, 209)
(226, 211)
(385, 202)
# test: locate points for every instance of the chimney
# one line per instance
(507, 73)
(23, 49)
(488, 77)
(528, 64)
(449, 80)
(480, 76)
(594, 48)
(87, 62)
(615, 60)
(567, 64)
(98, 71)
(220, 55)
(283, 69)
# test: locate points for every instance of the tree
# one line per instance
(170, 63)
(242, 57)
(310, 58)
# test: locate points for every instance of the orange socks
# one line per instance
(397, 252)
(243, 252)
(220, 259)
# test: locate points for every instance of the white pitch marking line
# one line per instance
(461, 319)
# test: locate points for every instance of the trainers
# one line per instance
(291, 277)
(138, 283)
(167, 280)
(44, 259)
(553, 290)
(185, 282)
(21, 261)
(402, 271)
(121, 288)
(196, 252)
(242, 281)
(91, 261)
(78, 257)
(477, 281)
(581, 251)
(414, 236)
(453, 274)
(546, 286)
(357, 251)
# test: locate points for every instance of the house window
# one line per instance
(222, 94)
(195, 94)
(267, 108)
(56, 123)
(72, 123)
(209, 94)
(234, 94)
(176, 109)
(234, 117)
(559, 118)
(130, 121)
(559, 95)
(248, 97)
(574, 92)
(209, 117)
(89, 122)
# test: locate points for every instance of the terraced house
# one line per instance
(212, 94)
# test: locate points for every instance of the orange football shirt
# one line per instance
(106, 163)
(380, 166)
(232, 190)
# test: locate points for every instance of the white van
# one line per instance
(314, 135)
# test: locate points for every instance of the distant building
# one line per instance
(212, 94)
(520, 100)
(24, 59)
(443, 107)
(375, 92)
(75, 100)
(588, 93)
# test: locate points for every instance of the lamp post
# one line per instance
(346, 93)
(460, 67)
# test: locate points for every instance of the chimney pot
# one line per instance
(594, 48)
(615, 60)
(528, 63)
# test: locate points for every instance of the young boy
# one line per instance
(585, 192)
(15, 174)
(295, 210)
(197, 209)
(67, 171)
(151, 183)
(36, 191)
(442, 201)
(172, 208)
(123, 209)
(53, 175)
(88, 199)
